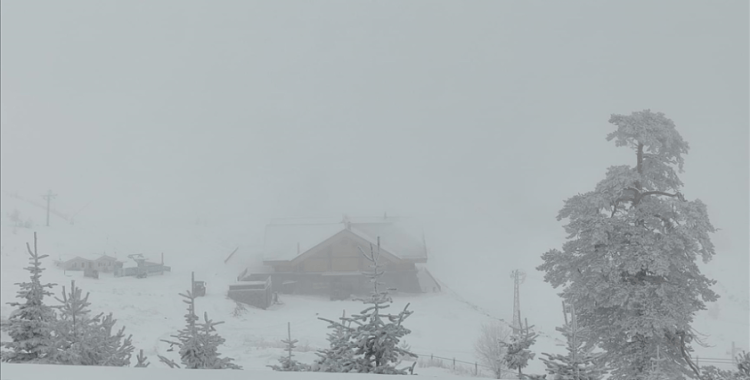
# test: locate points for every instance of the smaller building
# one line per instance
(107, 264)
(103, 263)
(76, 263)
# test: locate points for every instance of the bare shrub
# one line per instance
(488, 347)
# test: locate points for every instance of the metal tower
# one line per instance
(518, 277)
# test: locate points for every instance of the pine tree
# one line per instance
(142, 360)
(517, 352)
(580, 363)
(629, 265)
(30, 325)
(198, 343)
(80, 339)
(372, 344)
(287, 363)
(339, 356)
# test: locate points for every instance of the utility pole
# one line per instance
(49, 196)
(518, 277)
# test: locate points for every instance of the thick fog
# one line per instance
(476, 118)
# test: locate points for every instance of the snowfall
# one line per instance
(444, 324)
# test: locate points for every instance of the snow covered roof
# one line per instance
(106, 258)
(77, 258)
(103, 258)
(287, 239)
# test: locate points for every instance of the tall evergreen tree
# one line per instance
(198, 343)
(80, 339)
(629, 265)
(580, 363)
(30, 325)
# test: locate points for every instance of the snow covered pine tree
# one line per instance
(372, 346)
(198, 343)
(30, 325)
(142, 360)
(580, 363)
(287, 363)
(80, 339)
(629, 265)
(517, 352)
(339, 356)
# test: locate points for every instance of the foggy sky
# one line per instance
(478, 117)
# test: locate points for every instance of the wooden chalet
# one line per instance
(324, 257)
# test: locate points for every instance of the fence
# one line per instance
(437, 361)
(150, 268)
(722, 363)
(475, 369)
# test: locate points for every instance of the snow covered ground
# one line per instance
(444, 324)
(38, 372)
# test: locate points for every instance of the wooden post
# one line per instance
(476, 369)
(192, 283)
(454, 363)
(289, 334)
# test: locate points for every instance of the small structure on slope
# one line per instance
(104, 263)
(255, 293)
(198, 287)
(143, 267)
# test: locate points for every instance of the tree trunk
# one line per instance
(639, 165)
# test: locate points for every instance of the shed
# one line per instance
(76, 263)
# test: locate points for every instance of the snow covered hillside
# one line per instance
(151, 309)
(444, 325)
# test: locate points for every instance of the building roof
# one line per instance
(77, 258)
(106, 258)
(288, 239)
(98, 259)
